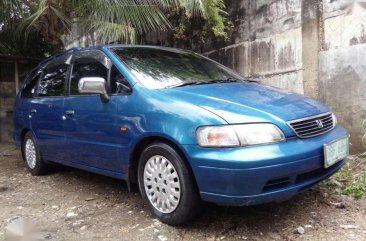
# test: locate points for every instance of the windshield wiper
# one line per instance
(189, 83)
(231, 80)
(227, 80)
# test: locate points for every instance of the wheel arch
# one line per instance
(141, 145)
(22, 134)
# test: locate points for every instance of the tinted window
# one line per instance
(162, 68)
(53, 81)
(54, 78)
(88, 64)
(29, 87)
(119, 84)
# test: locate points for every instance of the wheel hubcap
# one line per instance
(30, 153)
(161, 183)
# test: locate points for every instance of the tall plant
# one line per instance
(110, 20)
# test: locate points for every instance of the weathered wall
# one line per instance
(266, 42)
(312, 47)
(342, 67)
(342, 84)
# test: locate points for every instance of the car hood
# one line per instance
(249, 102)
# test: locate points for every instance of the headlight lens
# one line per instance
(253, 134)
(238, 135)
(217, 136)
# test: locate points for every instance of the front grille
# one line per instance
(313, 125)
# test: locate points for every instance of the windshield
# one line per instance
(160, 68)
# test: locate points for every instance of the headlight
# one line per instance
(253, 134)
(238, 135)
(215, 136)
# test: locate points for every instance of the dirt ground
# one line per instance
(69, 204)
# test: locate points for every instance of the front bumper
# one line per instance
(262, 173)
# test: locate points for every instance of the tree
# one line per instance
(111, 20)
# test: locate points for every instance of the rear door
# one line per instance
(92, 135)
(22, 114)
(46, 109)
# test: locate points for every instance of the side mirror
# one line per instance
(94, 85)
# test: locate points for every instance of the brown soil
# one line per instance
(69, 204)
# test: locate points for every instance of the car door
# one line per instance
(92, 134)
(46, 109)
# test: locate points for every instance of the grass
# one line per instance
(351, 179)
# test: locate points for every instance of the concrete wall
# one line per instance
(266, 42)
(312, 47)
(342, 67)
(342, 84)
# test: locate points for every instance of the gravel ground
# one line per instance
(69, 204)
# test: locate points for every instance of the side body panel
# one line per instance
(47, 126)
(92, 136)
(21, 118)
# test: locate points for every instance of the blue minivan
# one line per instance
(182, 127)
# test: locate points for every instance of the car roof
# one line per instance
(110, 46)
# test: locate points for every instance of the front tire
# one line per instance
(32, 156)
(167, 185)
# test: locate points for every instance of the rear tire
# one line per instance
(167, 185)
(32, 156)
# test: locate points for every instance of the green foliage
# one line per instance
(351, 179)
(121, 20)
(33, 46)
(357, 186)
(110, 20)
(195, 31)
(216, 17)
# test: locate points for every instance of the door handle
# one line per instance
(69, 112)
(31, 112)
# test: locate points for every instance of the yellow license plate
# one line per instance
(335, 151)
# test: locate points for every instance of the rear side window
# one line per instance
(29, 87)
(53, 81)
(88, 64)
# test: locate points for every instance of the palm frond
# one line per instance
(65, 20)
(27, 23)
(11, 9)
(46, 18)
(141, 16)
(107, 32)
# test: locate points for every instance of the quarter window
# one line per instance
(55, 75)
(30, 84)
(119, 83)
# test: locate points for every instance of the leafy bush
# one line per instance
(351, 179)
(357, 187)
